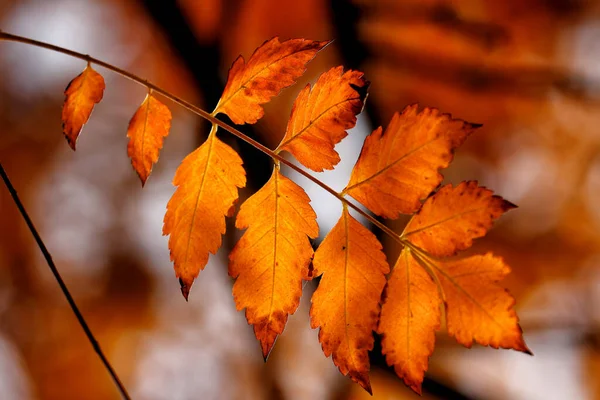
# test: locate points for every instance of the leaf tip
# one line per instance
(266, 348)
(365, 383)
(185, 288)
(143, 178)
(507, 205)
(70, 142)
(522, 346)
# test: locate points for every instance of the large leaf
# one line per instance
(273, 255)
(454, 216)
(321, 115)
(399, 168)
(207, 187)
(346, 304)
(410, 315)
(271, 68)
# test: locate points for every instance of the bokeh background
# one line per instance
(529, 70)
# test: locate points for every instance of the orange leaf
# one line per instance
(81, 95)
(147, 128)
(454, 216)
(273, 255)
(410, 315)
(321, 115)
(478, 309)
(273, 67)
(207, 187)
(399, 168)
(347, 302)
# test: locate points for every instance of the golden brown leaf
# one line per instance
(478, 309)
(82, 93)
(273, 255)
(207, 187)
(454, 216)
(399, 168)
(346, 304)
(271, 68)
(147, 129)
(410, 315)
(321, 115)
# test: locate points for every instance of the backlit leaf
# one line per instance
(346, 304)
(147, 128)
(321, 115)
(207, 187)
(399, 168)
(273, 255)
(82, 93)
(410, 315)
(271, 68)
(454, 216)
(478, 309)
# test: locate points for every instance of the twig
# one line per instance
(61, 283)
(207, 116)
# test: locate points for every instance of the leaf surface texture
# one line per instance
(272, 67)
(147, 129)
(81, 94)
(207, 188)
(271, 259)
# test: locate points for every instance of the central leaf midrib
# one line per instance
(146, 116)
(313, 122)
(346, 268)
(443, 221)
(390, 165)
(212, 138)
(276, 216)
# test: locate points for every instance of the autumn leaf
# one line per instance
(347, 302)
(399, 168)
(273, 67)
(478, 309)
(147, 128)
(207, 187)
(410, 315)
(454, 216)
(82, 93)
(321, 115)
(272, 257)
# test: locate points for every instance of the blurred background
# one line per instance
(529, 70)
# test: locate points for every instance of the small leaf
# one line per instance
(321, 115)
(454, 216)
(478, 309)
(346, 304)
(273, 67)
(82, 93)
(147, 128)
(272, 257)
(410, 315)
(399, 168)
(207, 187)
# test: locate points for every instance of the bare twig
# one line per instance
(63, 287)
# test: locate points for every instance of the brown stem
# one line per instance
(63, 287)
(204, 114)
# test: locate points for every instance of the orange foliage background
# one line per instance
(527, 70)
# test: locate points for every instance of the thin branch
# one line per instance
(62, 285)
(204, 114)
